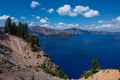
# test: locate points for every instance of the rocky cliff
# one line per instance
(18, 62)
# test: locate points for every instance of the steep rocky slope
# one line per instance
(18, 62)
(109, 74)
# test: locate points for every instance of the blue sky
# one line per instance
(86, 14)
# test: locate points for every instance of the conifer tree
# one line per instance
(95, 65)
(8, 27)
(14, 28)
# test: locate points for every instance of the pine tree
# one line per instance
(8, 27)
(95, 65)
(20, 30)
(14, 28)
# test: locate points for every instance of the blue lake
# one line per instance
(74, 55)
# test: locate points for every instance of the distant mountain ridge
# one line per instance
(50, 31)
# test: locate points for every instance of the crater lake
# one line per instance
(74, 55)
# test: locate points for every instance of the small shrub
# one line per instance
(34, 49)
(87, 74)
(38, 56)
(53, 73)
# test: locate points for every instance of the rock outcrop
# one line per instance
(109, 74)
(18, 62)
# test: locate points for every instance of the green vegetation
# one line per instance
(53, 73)
(33, 40)
(38, 56)
(21, 30)
(87, 74)
(119, 69)
(95, 68)
(8, 26)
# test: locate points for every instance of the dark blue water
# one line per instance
(74, 55)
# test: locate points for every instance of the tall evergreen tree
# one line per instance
(95, 65)
(20, 30)
(8, 27)
(14, 28)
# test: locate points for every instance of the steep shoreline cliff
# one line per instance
(19, 62)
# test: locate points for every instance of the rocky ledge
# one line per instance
(108, 74)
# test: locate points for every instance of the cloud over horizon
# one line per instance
(112, 25)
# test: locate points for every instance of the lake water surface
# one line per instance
(74, 55)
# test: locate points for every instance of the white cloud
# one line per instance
(32, 23)
(51, 10)
(104, 26)
(44, 20)
(78, 10)
(112, 25)
(101, 21)
(72, 14)
(37, 17)
(4, 17)
(45, 25)
(14, 19)
(118, 18)
(62, 25)
(91, 13)
(22, 17)
(66, 10)
(34, 4)
(81, 9)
